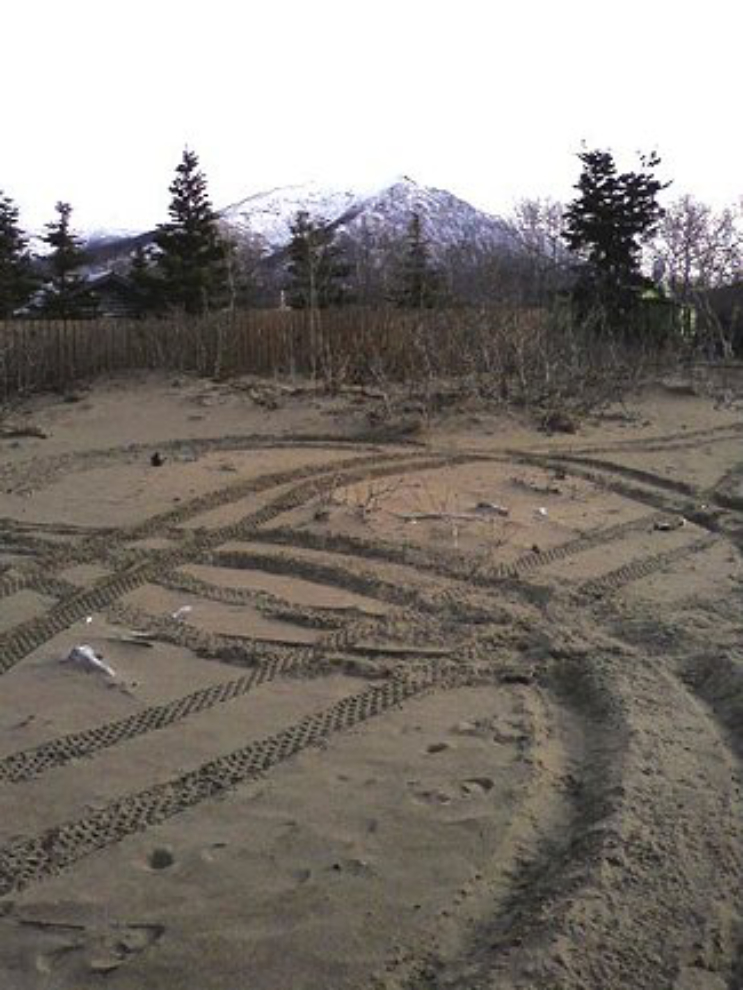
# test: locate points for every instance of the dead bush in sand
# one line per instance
(533, 358)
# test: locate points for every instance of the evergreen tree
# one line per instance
(606, 226)
(191, 263)
(65, 297)
(318, 271)
(419, 282)
(16, 280)
(146, 292)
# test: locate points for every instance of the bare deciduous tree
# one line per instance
(697, 248)
(696, 252)
(536, 227)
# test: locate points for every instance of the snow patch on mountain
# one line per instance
(266, 217)
(106, 235)
(447, 221)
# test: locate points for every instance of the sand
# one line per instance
(365, 732)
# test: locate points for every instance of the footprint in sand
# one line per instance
(208, 855)
(99, 951)
(433, 797)
(160, 858)
(352, 867)
(467, 729)
(475, 786)
(48, 962)
(438, 747)
(122, 943)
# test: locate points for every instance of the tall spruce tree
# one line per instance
(318, 271)
(419, 284)
(191, 263)
(145, 295)
(16, 279)
(606, 226)
(65, 296)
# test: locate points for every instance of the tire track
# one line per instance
(669, 441)
(635, 570)
(267, 663)
(330, 574)
(717, 681)
(239, 651)
(633, 473)
(31, 859)
(578, 757)
(42, 471)
(26, 637)
(640, 887)
(95, 546)
(29, 763)
(663, 499)
(722, 494)
(266, 603)
(265, 660)
(457, 568)
(728, 492)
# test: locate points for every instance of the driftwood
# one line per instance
(482, 511)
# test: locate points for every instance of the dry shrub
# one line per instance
(518, 355)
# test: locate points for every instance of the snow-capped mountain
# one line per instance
(266, 217)
(382, 214)
(101, 236)
(447, 221)
(370, 220)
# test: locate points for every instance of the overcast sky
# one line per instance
(490, 99)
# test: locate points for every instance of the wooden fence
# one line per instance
(353, 344)
(517, 353)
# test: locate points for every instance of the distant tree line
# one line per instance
(607, 252)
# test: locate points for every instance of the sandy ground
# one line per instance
(458, 710)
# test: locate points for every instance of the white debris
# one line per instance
(181, 612)
(85, 658)
(542, 512)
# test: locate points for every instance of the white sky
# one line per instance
(488, 99)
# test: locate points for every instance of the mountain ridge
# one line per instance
(264, 219)
(377, 214)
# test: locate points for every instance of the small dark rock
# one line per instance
(558, 422)
(516, 677)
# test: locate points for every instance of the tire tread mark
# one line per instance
(91, 548)
(29, 763)
(636, 474)
(30, 859)
(662, 499)
(266, 663)
(668, 441)
(728, 492)
(454, 567)
(25, 637)
(268, 604)
(43, 470)
(635, 570)
(321, 572)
